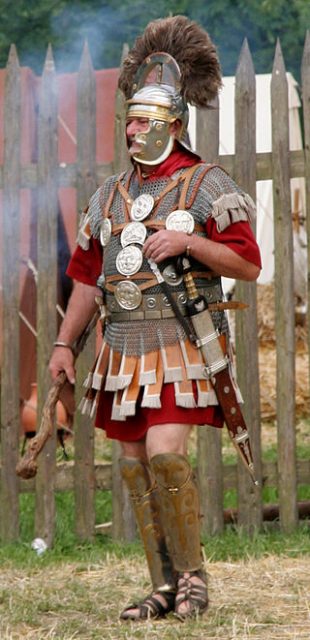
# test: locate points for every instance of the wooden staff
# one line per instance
(27, 466)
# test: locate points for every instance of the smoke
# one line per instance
(106, 26)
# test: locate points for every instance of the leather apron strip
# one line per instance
(148, 368)
(172, 364)
(151, 395)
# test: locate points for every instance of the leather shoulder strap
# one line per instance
(183, 204)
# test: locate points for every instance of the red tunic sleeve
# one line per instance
(86, 266)
(239, 237)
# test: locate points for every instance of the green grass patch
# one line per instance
(232, 544)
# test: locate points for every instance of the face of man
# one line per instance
(150, 141)
(134, 127)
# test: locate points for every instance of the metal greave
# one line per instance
(144, 497)
(179, 507)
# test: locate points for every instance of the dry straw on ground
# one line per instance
(258, 600)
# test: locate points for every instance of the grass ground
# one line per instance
(259, 587)
(255, 593)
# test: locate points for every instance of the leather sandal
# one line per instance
(194, 594)
(150, 607)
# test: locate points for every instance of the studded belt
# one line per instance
(157, 306)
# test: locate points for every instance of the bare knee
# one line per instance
(167, 438)
(134, 450)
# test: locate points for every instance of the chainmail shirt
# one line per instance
(136, 338)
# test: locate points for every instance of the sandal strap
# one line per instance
(151, 607)
(195, 594)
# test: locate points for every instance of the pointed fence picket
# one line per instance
(9, 521)
(84, 486)
(44, 176)
(305, 93)
(249, 496)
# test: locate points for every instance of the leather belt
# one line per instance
(157, 306)
(155, 314)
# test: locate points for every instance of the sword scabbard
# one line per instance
(217, 371)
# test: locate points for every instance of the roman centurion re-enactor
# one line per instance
(148, 384)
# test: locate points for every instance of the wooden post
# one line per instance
(123, 520)
(84, 485)
(284, 295)
(209, 442)
(121, 160)
(123, 517)
(207, 132)
(10, 411)
(47, 287)
(249, 496)
(305, 92)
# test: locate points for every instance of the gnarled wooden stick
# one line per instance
(27, 466)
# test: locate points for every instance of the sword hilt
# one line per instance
(195, 301)
(183, 266)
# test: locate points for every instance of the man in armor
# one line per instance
(148, 385)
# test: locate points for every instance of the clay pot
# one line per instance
(29, 413)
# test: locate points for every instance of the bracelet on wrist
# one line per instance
(66, 345)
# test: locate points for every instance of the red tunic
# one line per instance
(85, 266)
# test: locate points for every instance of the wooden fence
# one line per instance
(44, 177)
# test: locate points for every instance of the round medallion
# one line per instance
(129, 260)
(128, 295)
(180, 220)
(171, 276)
(105, 231)
(134, 232)
(142, 207)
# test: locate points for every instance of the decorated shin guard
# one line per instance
(144, 499)
(179, 504)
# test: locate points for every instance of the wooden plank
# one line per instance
(284, 296)
(121, 160)
(47, 286)
(64, 479)
(305, 92)
(210, 479)
(208, 438)
(249, 496)
(67, 174)
(10, 409)
(207, 132)
(86, 186)
(124, 526)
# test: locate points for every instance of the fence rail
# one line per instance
(43, 175)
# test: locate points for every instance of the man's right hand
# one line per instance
(62, 360)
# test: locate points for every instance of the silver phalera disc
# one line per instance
(128, 295)
(171, 276)
(105, 231)
(129, 260)
(134, 232)
(180, 220)
(142, 207)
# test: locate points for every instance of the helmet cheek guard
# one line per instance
(156, 143)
